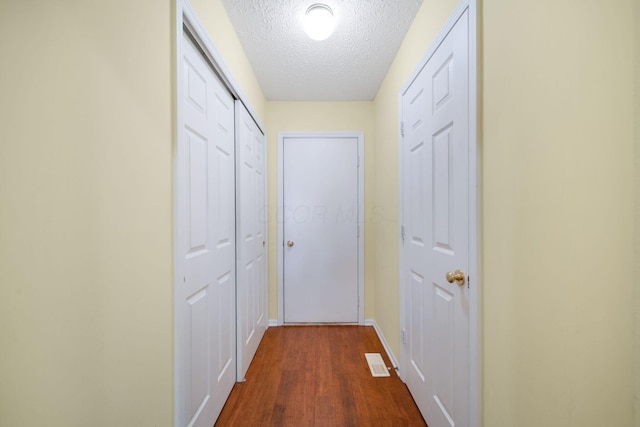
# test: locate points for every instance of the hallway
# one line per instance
(318, 376)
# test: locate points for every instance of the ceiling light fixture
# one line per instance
(318, 21)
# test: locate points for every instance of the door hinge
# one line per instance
(402, 233)
(402, 129)
(403, 336)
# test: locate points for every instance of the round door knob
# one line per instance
(290, 243)
(457, 276)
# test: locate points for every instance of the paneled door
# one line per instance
(435, 218)
(206, 244)
(251, 235)
(320, 220)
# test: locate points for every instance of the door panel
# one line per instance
(320, 218)
(418, 355)
(251, 210)
(205, 318)
(442, 192)
(198, 312)
(435, 206)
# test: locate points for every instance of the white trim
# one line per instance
(272, 323)
(280, 242)
(402, 365)
(197, 31)
(266, 230)
(475, 315)
(383, 340)
(178, 263)
(280, 239)
(475, 221)
(186, 21)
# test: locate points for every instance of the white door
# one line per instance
(320, 216)
(205, 240)
(251, 235)
(435, 207)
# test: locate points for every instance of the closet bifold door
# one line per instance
(251, 265)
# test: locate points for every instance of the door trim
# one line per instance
(475, 315)
(280, 242)
(186, 21)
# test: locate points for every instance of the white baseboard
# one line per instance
(385, 344)
(272, 323)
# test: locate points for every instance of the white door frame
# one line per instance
(187, 21)
(280, 242)
(475, 327)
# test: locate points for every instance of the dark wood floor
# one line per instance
(318, 376)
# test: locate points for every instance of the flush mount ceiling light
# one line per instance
(318, 21)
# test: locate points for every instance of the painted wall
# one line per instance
(215, 20)
(321, 117)
(557, 189)
(86, 311)
(558, 212)
(637, 222)
(430, 18)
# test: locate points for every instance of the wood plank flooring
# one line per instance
(318, 376)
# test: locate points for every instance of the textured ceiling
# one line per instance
(348, 66)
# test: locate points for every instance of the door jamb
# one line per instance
(475, 315)
(279, 216)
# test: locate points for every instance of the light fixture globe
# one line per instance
(318, 21)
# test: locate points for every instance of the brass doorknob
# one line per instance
(290, 243)
(457, 276)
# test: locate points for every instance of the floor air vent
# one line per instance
(376, 365)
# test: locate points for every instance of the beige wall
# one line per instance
(637, 220)
(86, 305)
(557, 212)
(320, 117)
